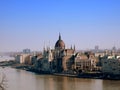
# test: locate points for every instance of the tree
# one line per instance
(2, 82)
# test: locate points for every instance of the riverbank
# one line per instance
(8, 63)
(90, 75)
(15, 64)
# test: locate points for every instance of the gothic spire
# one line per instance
(44, 48)
(71, 47)
(74, 48)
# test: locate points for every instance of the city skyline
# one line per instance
(83, 23)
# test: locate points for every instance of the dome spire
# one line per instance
(59, 36)
(60, 44)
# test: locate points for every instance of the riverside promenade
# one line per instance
(30, 68)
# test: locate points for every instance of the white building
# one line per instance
(101, 54)
(22, 58)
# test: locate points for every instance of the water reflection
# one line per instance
(23, 80)
(111, 85)
(66, 83)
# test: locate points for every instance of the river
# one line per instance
(24, 80)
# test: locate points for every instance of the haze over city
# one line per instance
(83, 23)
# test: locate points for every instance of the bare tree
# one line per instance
(3, 82)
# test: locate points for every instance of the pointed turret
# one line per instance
(74, 47)
(74, 50)
(71, 47)
(44, 50)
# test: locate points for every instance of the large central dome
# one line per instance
(60, 44)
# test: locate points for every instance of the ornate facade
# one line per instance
(60, 57)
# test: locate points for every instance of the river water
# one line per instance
(24, 80)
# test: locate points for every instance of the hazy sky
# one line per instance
(85, 23)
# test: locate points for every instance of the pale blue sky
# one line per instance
(85, 23)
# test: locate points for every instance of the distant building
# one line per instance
(101, 54)
(23, 58)
(114, 48)
(96, 48)
(26, 51)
